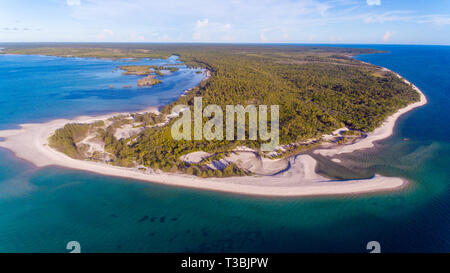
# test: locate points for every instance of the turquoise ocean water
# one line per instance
(43, 209)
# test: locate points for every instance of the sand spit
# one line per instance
(30, 142)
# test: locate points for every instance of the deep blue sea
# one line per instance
(43, 209)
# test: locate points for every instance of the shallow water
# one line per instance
(42, 209)
(39, 88)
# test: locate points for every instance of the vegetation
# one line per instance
(352, 133)
(85, 51)
(141, 70)
(65, 139)
(146, 70)
(318, 89)
(148, 81)
(148, 119)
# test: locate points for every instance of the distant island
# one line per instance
(149, 71)
(328, 101)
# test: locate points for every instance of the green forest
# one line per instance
(318, 89)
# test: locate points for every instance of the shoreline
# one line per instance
(30, 143)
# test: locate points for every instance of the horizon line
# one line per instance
(233, 43)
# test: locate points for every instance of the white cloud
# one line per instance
(335, 39)
(227, 20)
(72, 3)
(245, 21)
(387, 36)
(203, 23)
(133, 37)
(105, 34)
(164, 38)
(200, 32)
(108, 32)
(390, 16)
(373, 2)
(212, 31)
(274, 34)
(435, 19)
(262, 37)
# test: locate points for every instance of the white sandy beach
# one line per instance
(382, 132)
(30, 142)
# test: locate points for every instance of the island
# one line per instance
(149, 71)
(148, 81)
(330, 103)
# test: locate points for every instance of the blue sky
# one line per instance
(260, 21)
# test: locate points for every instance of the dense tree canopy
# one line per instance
(318, 89)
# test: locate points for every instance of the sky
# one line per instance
(230, 21)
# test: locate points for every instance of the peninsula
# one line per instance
(329, 102)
